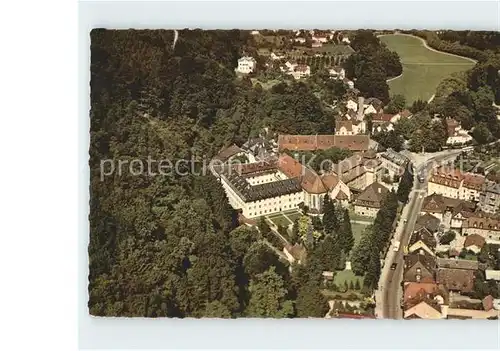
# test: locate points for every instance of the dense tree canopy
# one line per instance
(371, 65)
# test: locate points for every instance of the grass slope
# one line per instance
(423, 69)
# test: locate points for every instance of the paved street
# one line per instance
(388, 296)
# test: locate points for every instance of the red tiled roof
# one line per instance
(290, 166)
(310, 180)
(412, 290)
(474, 181)
(347, 124)
(330, 180)
(482, 223)
(448, 177)
(323, 142)
(474, 239)
(456, 279)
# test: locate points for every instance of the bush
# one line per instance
(447, 237)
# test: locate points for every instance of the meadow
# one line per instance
(423, 68)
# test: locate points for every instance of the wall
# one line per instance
(366, 211)
(443, 190)
(485, 233)
(340, 186)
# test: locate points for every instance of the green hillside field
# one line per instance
(423, 68)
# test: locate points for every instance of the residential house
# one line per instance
(428, 222)
(472, 187)
(423, 310)
(349, 127)
(352, 105)
(382, 122)
(419, 267)
(461, 313)
(323, 142)
(438, 205)
(489, 199)
(357, 171)
(322, 38)
(368, 203)
(488, 228)
(422, 239)
(393, 162)
(259, 149)
(446, 182)
(277, 56)
(403, 114)
(372, 106)
(228, 153)
(349, 83)
(474, 243)
(492, 274)
(456, 274)
(337, 72)
(246, 64)
(301, 71)
(300, 40)
(418, 292)
(456, 135)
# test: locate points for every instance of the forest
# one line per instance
(170, 246)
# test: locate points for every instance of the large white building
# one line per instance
(276, 185)
(246, 65)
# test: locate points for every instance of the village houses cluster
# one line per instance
(441, 287)
(439, 277)
(289, 64)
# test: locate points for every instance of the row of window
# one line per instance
(269, 211)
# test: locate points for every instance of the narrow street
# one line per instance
(390, 291)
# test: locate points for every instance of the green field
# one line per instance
(423, 69)
(265, 85)
(346, 276)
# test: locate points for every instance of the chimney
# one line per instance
(361, 107)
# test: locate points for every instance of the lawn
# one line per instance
(355, 217)
(346, 275)
(357, 231)
(265, 85)
(423, 69)
(279, 219)
(293, 215)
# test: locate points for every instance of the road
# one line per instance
(389, 294)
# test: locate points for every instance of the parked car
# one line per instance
(393, 266)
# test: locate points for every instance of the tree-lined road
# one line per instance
(390, 291)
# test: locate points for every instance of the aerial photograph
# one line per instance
(294, 173)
